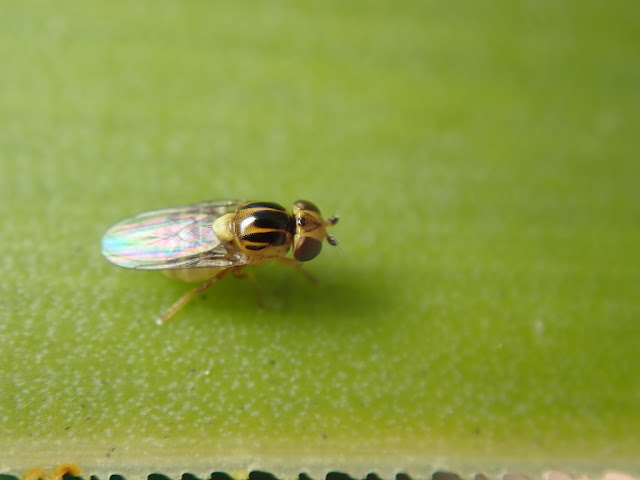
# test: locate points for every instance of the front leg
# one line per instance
(292, 262)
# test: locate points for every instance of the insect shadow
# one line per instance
(338, 294)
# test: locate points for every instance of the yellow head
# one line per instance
(310, 231)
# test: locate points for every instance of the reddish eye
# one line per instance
(306, 248)
(307, 205)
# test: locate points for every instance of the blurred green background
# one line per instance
(481, 312)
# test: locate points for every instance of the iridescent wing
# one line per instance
(180, 237)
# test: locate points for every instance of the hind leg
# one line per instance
(184, 299)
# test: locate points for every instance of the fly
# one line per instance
(205, 242)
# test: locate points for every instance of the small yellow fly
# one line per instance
(207, 241)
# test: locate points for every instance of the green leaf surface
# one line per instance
(482, 311)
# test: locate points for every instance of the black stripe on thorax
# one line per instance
(266, 217)
(273, 237)
(274, 220)
(268, 205)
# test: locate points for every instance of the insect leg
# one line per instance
(292, 262)
(183, 300)
(256, 287)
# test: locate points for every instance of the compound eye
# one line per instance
(306, 205)
(306, 248)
